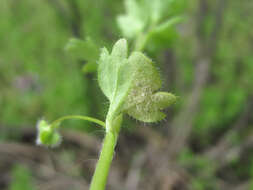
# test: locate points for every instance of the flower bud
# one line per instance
(47, 135)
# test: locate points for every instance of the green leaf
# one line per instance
(133, 8)
(163, 35)
(142, 102)
(115, 75)
(84, 50)
(155, 9)
(140, 15)
(134, 21)
(165, 26)
(131, 84)
(130, 26)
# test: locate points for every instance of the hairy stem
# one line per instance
(99, 178)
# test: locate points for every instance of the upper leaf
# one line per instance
(155, 8)
(84, 50)
(140, 15)
(165, 26)
(134, 21)
(115, 74)
(163, 35)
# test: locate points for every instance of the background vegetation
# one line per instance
(205, 142)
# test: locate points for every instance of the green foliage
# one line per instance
(134, 21)
(84, 50)
(21, 179)
(143, 102)
(126, 82)
(38, 79)
(148, 20)
(164, 35)
(141, 14)
(130, 84)
(112, 80)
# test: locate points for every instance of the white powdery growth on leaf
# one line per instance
(131, 84)
(143, 102)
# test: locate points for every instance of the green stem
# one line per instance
(86, 118)
(99, 178)
(140, 42)
(143, 37)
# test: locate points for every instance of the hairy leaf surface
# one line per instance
(131, 84)
(143, 103)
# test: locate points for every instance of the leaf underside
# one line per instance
(131, 84)
(142, 102)
(115, 74)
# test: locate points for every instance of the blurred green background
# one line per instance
(206, 142)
